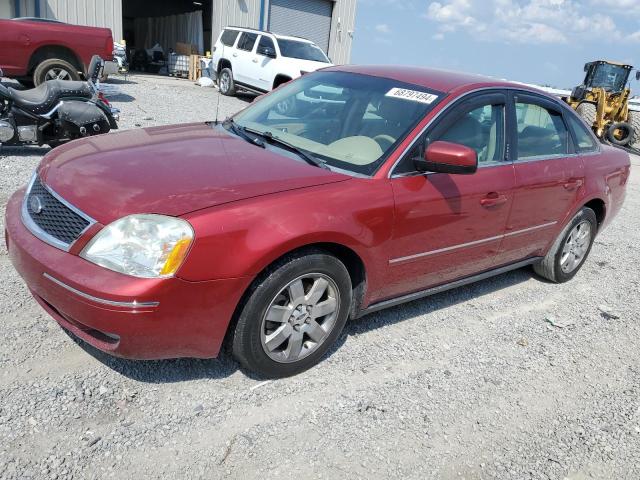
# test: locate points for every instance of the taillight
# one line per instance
(103, 99)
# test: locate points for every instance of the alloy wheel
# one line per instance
(224, 82)
(57, 73)
(576, 247)
(300, 318)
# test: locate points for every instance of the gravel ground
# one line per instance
(511, 378)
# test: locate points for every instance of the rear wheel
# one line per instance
(293, 315)
(226, 83)
(568, 253)
(54, 69)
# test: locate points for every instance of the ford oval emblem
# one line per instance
(36, 204)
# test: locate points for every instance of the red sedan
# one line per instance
(344, 192)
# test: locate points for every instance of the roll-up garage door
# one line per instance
(309, 19)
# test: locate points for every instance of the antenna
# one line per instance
(218, 107)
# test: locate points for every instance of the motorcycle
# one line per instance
(56, 112)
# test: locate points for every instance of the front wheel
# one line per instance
(570, 250)
(293, 315)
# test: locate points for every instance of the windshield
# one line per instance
(613, 78)
(350, 121)
(301, 50)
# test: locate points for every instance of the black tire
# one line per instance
(69, 72)
(634, 120)
(550, 266)
(627, 134)
(225, 82)
(588, 113)
(247, 343)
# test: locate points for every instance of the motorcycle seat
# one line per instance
(45, 96)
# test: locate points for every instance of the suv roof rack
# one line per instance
(267, 31)
(36, 19)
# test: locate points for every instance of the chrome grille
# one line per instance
(52, 219)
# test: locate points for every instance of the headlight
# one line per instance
(147, 246)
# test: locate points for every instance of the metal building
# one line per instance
(329, 23)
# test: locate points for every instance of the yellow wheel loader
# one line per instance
(603, 102)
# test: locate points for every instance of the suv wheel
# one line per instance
(226, 83)
(571, 248)
(293, 315)
(54, 69)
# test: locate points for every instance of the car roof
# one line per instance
(435, 79)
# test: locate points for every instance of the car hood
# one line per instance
(171, 170)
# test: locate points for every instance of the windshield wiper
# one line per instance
(230, 124)
(268, 136)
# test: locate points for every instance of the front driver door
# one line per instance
(450, 226)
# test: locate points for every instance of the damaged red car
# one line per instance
(346, 191)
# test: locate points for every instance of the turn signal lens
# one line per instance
(175, 258)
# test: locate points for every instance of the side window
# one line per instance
(481, 129)
(247, 41)
(228, 37)
(265, 42)
(541, 132)
(479, 126)
(584, 139)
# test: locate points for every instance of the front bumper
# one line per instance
(122, 315)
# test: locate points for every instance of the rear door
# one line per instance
(549, 176)
(450, 226)
(263, 68)
(242, 58)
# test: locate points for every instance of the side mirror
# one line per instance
(637, 74)
(1, 73)
(267, 52)
(447, 157)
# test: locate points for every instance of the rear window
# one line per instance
(228, 37)
(247, 41)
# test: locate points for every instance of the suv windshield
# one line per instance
(350, 121)
(301, 50)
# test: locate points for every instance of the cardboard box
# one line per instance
(185, 48)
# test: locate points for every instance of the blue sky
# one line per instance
(536, 41)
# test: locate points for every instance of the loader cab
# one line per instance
(612, 77)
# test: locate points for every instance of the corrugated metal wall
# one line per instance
(246, 13)
(343, 23)
(239, 13)
(97, 13)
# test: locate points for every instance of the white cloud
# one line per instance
(383, 28)
(524, 21)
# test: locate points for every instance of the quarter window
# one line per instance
(541, 132)
(247, 41)
(481, 129)
(584, 139)
(228, 37)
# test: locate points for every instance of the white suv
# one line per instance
(260, 61)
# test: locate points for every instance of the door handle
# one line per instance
(493, 199)
(235, 54)
(255, 60)
(573, 184)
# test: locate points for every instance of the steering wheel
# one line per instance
(385, 141)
